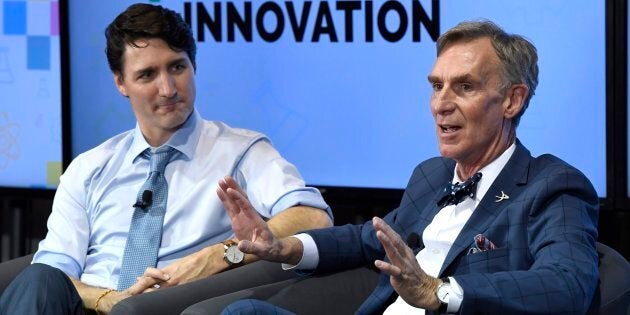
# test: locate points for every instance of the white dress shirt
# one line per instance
(438, 237)
(92, 209)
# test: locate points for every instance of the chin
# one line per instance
(449, 151)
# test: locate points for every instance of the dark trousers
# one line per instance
(41, 289)
(337, 293)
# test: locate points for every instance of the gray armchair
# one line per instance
(176, 299)
(613, 293)
(612, 296)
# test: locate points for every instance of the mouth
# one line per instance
(167, 104)
(449, 128)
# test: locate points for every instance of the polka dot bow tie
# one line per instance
(456, 193)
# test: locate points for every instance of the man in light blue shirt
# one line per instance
(151, 53)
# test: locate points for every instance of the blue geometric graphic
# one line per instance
(14, 14)
(38, 50)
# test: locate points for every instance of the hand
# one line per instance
(408, 279)
(149, 281)
(107, 302)
(252, 231)
(196, 266)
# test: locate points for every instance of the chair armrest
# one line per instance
(174, 300)
(11, 268)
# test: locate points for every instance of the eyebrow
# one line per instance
(152, 68)
(459, 78)
(177, 61)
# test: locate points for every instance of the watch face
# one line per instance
(233, 255)
(443, 291)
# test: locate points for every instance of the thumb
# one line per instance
(246, 246)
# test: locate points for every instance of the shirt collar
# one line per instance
(184, 140)
(489, 172)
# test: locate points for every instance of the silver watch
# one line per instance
(231, 254)
(443, 292)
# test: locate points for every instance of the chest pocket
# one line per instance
(485, 262)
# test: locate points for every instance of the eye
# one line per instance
(179, 67)
(436, 86)
(145, 75)
(466, 87)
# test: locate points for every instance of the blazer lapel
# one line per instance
(510, 181)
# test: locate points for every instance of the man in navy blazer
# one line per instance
(517, 237)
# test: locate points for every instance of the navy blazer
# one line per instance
(545, 233)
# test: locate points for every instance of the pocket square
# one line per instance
(481, 244)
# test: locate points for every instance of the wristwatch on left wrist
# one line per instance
(443, 292)
(231, 254)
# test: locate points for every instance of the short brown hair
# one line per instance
(143, 20)
(519, 58)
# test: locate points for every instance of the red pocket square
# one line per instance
(481, 244)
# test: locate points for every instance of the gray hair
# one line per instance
(518, 56)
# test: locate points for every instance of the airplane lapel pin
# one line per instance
(502, 197)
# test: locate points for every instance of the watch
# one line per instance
(231, 255)
(443, 291)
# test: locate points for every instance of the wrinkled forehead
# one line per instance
(467, 57)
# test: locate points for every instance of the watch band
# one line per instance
(228, 243)
(443, 306)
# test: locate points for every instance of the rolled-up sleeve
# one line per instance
(273, 184)
(66, 243)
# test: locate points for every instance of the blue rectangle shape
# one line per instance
(38, 50)
(14, 14)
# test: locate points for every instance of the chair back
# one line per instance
(613, 293)
(11, 268)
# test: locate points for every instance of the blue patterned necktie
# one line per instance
(456, 193)
(145, 233)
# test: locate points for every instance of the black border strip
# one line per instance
(66, 112)
(616, 106)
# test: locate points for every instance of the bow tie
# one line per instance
(456, 193)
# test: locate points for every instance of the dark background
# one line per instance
(23, 213)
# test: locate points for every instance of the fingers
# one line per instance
(228, 182)
(388, 268)
(231, 194)
(141, 285)
(228, 203)
(243, 204)
(395, 239)
(402, 259)
(248, 247)
(394, 247)
(391, 250)
(234, 198)
(231, 183)
(152, 278)
(157, 274)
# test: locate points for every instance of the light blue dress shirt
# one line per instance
(92, 209)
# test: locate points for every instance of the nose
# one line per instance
(166, 86)
(443, 101)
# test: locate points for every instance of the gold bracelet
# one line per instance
(98, 300)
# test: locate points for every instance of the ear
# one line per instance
(515, 99)
(120, 84)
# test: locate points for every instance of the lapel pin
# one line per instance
(502, 197)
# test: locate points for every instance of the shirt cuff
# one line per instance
(455, 298)
(305, 196)
(310, 255)
(60, 261)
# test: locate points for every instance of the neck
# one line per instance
(466, 169)
(157, 139)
